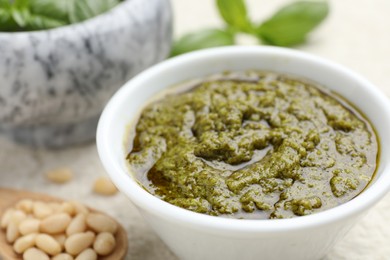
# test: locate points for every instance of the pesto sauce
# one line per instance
(253, 145)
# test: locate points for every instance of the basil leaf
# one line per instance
(202, 39)
(5, 17)
(7, 23)
(20, 12)
(21, 16)
(57, 9)
(39, 22)
(20, 4)
(85, 9)
(290, 25)
(235, 14)
(17, 15)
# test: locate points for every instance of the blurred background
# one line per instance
(356, 33)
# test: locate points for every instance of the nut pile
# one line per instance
(59, 231)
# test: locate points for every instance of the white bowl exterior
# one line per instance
(196, 236)
(191, 243)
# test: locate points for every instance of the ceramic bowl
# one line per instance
(55, 83)
(196, 236)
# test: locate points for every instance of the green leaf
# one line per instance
(57, 9)
(7, 23)
(20, 12)
(84, 9)
(4, 16)
(38, 22)
(290, 25)
(20, 4)
(22, 15)
(4, 3)
(235, 14)
(19, 17)
(206, 38)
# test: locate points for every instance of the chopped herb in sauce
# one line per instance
(253, 145)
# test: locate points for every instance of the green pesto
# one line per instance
(253, 145)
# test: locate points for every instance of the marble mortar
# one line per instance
(55, 83)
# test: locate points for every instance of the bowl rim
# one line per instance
(93, 21)
(153, 205)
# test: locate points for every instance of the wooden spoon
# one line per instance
(9, 197)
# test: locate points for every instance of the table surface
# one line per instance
(356, 34)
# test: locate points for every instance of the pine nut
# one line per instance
(63, 256)
(63, 228)
(101, 223)
(28, 226)
(41, 210)
(6, 218)
(87, 254)
(55, 224)
(24, 243)
(35, 254)
(104, 186)
(25, 205)
(60, 238)
(18, 216)
(104, 243)
(60, 175)
(48, 244)
(12, 232)
(55, 206)
(78, 225)
(67, 207)
(78, 242)
(80, 208)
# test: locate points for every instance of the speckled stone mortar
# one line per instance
(55, 83)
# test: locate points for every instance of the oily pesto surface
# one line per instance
(253, 145)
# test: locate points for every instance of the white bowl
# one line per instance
(196, 236)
